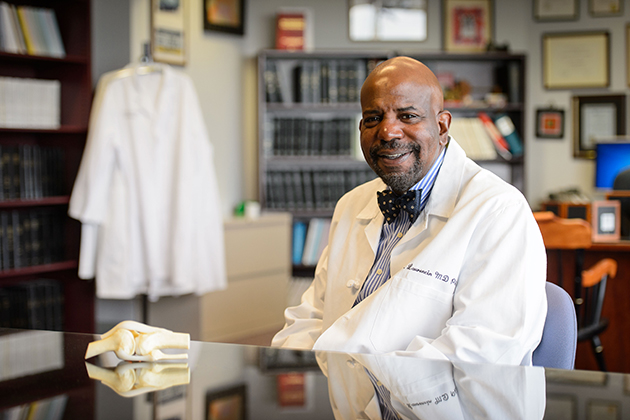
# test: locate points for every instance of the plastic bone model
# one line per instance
(130, 379)
(137, 342)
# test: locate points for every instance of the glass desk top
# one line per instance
(43, 375)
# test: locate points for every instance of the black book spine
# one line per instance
(18, 232)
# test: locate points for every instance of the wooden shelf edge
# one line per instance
(46, 201)
(39, 269)
(69, 58)
(64, 129)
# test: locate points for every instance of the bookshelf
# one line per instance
(309, 151)
(36, 188)
(482, 75)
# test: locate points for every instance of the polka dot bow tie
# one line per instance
(391, 205)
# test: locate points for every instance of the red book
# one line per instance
(290, 31)
(499, 142)
(291, 389)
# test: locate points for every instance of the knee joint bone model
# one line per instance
(137, 342)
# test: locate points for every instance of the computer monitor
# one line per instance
(612, 158)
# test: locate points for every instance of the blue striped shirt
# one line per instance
(391, 233)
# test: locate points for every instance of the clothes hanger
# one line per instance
(144, 67)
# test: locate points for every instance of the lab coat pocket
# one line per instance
(409, 308)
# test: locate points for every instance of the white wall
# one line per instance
(223, 68)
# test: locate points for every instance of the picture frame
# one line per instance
(226, 16)
(396, 21)
(286, 360)
(576, 60)
(227, 404)
(556, 10)
(468, 25)
(605, 8)
(168, 36)
(606, 220)
(561, 407)
(596, 117)
(603, 410)
(550, 123)
(628, 54)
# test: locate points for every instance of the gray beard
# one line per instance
(399, 182)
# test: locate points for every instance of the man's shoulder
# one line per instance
(486, 186)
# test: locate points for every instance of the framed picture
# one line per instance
(628, 54)
(550, 123)
(606, 220)
(598, 8)
(227, 404)
(397, 20)
(576, 60)
(603, 410)
(468, 25)
(224, 16)
(596, 118)
(561, 407)
(555, 10)
(286, 360)
(168, 41)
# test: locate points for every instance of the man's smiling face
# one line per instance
(402, 130)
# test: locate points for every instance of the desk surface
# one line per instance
(45, 372)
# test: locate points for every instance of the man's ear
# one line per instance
(444, 123)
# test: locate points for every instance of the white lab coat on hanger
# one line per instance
(146, 191)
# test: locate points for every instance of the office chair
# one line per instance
(589, 286)
(559, 340)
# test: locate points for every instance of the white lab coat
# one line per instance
(146, 191)
(467, 283)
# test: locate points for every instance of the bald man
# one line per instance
(437, 257)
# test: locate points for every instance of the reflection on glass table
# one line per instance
(44, 375)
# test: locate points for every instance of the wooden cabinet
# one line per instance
(73, 74)
(309, 110)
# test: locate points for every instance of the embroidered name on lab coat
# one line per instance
(438, 276)
(436, 400)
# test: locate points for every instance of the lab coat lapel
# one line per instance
(372, 216)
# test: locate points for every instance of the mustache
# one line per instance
(394, 146)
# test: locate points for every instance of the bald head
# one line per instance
(399, 70)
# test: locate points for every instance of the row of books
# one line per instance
(295, 136)
(313, 81)
(485, 138)
(309, 240)
(301, 189)
(31, 237)
(31, 172)
(30, 30)
(47, 409)
(36, 304)
(30, 103)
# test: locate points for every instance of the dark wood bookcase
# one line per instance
(306, 181)
(74, 74)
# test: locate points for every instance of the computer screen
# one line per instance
(612, 158)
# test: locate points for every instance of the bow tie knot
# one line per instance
(391, 205)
